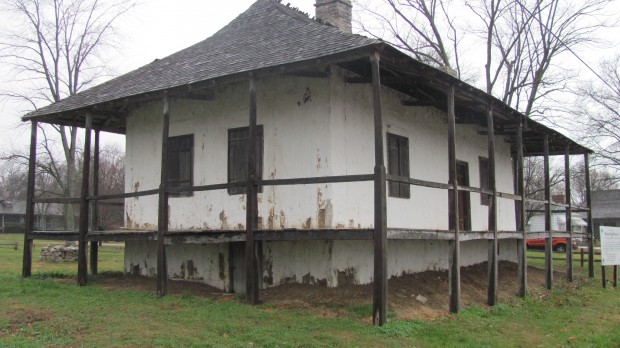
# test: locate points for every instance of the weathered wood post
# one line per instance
(162, 218)
(454, 272)
(83, 222)
(569, 216)
(29, 226)
(379, 307)
(94, 225)
(492, 227)
(548, 240)
(586, 158)
(251, 284)
(521, 244)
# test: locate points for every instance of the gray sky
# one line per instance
(155, 29)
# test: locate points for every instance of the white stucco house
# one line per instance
(321, 114)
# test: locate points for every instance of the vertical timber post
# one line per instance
(379, 306)
(521, 246)
(94, 245)
(548, 239)
(27, 260)
(83, 223)
(493, 244)
(454, 273)
(162, 220)
(569, 216)
(586, 158)
(252, 294)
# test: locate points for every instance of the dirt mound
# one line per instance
(414, 296)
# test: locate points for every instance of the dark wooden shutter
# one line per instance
(403, 160)
(180, 164)
(237, 157)
(393, 163)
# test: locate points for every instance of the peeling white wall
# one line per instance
(312, 127)
(327, 263)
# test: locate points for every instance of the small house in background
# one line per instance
(536, 222)
(13, 216)
(605, 209)
(287, 149)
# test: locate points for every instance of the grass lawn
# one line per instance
(43, 311)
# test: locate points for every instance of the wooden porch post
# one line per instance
(251, 282)
(83, 223)
(94, 246)
(379, 307)
(586, 158)
(29, 227)
(454, 273)
(521, 244)
(569, 216)
(162, 221)
(493, 244)
(548, 240)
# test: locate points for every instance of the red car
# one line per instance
(558, 244)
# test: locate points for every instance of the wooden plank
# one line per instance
(569, 222)
(124, 195)
(454, 273)
(252, 295)
(29, 223)
(317, 180)
(417, 182)
(586, 159)
(94, 245)
(521, 222)
(325, 234)
(67, 200)
(379, 307)
(548, 239)
(84, 221)
(492, 213)
(162, 221)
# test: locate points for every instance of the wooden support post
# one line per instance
(603, 276)
(615, 276)
(548, 240)
(94, 225)
(586, 159)
(252, 294)
(454, 271)
(27, 259)
(521, 244)
(379, 307)
(83, 222)
(162, 220)
(581, 257)
(569, 216)
(493, 244)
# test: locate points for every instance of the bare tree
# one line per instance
(522, 40)
(600, 103)
(422, 28)
(54, 48)
(111, 181)
(534, 177)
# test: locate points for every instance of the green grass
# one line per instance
(41, 311)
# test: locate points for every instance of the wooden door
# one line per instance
(462, 175)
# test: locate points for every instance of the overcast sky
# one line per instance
(155, 29)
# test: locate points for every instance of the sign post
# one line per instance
(610, 250)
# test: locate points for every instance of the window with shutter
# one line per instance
(398, 164)
(484, 179)
(237, 158)
(180, 162)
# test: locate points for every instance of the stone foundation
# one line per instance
(59, 253)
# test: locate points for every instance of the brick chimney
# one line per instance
(336, 13)
(558, 199)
